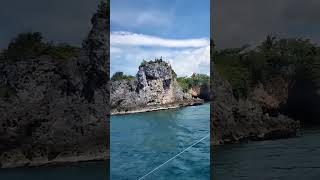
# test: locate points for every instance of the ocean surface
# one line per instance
(78, 171)
(142, 142)
(284, 159)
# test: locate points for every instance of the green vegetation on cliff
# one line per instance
(103, 10)
(117, 76)
(287, 58)
(32, 45)
(195, 80)
(156, 60)
(5, 91)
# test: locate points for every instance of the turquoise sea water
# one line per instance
(284, 159)
(143, 141)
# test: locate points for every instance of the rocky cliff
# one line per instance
(155, 87)
(242, 120)
(56, 111)
(202, 92)
(255, 117)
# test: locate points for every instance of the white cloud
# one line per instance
(133, 39)
(192, 61)
(186, 56)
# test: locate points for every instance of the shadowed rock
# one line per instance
(57, 110)
(235, 121)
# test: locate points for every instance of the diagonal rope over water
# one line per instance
(197, 142)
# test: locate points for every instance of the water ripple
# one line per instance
(154, 138)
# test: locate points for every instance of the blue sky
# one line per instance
(59, 21)
(177, 30)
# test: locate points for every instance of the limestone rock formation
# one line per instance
(155, 87)
(235, 121)
(202, 92)
(56, 111)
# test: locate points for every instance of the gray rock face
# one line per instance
(235, 121)
(55, 111)
(202, 92)
(154, 88)
(97, 47)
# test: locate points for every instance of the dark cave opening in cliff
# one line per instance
(303, 102)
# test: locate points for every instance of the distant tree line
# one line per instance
(288, 58)
(32, 45)
(195, 80)
(118, 76)
(184, 82)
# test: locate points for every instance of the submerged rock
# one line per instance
(155, 87)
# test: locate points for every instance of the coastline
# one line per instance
(163, 129)
(160, 107)
(63, 161)
(87, 158)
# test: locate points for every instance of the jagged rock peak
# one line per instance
(154, 88)
(97, 42)
(97, 47)
(157, 69)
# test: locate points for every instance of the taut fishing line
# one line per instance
(197, 142)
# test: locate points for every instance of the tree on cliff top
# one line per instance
(156, 60)
(25, 45)
(31, 45)
(118, 76)
(103, 9)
